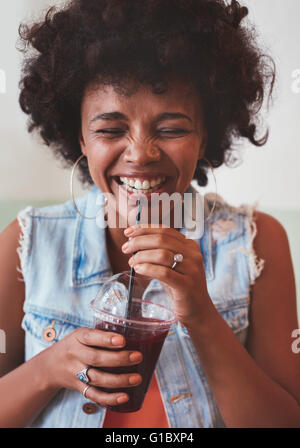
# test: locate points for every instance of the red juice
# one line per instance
(149, 343)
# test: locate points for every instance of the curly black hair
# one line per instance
(202, 42)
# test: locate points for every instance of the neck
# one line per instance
(115, 239)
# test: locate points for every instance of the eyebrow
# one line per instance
(110, 116)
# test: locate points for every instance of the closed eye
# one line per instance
(174, 131)
(166, 132)
(110, 131)
(171, 133)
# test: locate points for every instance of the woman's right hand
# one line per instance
(87, 347)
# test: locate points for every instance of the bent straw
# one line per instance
(132, 271)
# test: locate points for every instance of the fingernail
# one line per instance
(122, 399)
(129, 231)
(125, 247)
(134, 379)
(135, 357)
(117, 340)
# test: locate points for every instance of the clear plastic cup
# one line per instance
(145, 330)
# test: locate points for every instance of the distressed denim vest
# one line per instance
(64, 261)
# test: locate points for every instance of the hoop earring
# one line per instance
(216, 188)
(216, 192)
(72, 191)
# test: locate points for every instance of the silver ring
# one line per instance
(82, 376)
(177, 259)
(85, 391)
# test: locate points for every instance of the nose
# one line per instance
(142, 153)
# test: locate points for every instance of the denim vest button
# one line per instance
(89, 408)
(49, 334)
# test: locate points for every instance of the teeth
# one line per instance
(145, 185)
(155, 182)
(137, 184)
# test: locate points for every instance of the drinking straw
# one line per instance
(132, 271)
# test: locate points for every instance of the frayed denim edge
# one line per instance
(256, 264)
(24, 240)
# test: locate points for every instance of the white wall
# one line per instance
(27, 168)
(268, 174)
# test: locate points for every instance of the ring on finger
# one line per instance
(83, 376)
(85, 390)
(177, 259)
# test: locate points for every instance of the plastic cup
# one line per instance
(145, 330)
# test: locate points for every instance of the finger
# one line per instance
(104, 379)
(154, 241)
(107, 358)
(104, 398)
(163, 257)
(170, 276)
(157, 256)
(144, 229)
(99, 338)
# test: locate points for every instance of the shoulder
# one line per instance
(62, 210)
(9, 238)
(9, 242)
(219, 208)
(12, 294)
(271, 241)
(266, 222)
(264, 226)
(41, 231)
(41, 224)
(228, 222)
(262, 237)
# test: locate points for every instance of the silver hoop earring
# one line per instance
(216, 188)
(72, 191)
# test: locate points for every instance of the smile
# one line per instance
(136, 185)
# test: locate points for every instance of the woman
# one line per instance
(153, 91)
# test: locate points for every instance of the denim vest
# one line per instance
(64, 261)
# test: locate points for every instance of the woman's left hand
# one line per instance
(186, 283)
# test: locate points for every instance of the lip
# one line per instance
(145, 176)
